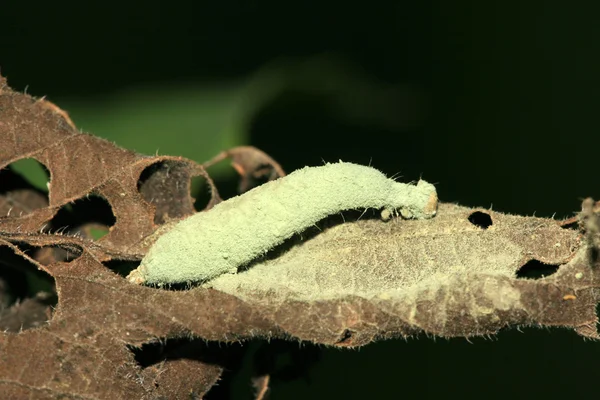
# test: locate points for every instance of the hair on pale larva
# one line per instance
(237, 231)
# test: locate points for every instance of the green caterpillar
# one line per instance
(237, 231)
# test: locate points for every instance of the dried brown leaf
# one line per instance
(347, 286)
(252, 164)
(81, 165)
(29, 313)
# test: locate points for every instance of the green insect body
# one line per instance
(237, 231)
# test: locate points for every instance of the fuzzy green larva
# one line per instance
(237, 231)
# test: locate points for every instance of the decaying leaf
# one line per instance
(458, 274)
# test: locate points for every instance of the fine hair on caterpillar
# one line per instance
(246, 227)
(331, 221)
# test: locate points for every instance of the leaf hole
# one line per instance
(120, 267)
(163, 349)
(227, 184)
(166, 185)
(90, 217)
(27, 294)
(593, 254)
(480, 219)
(50, 254)
(201, 192)
(535, 269)
(24, 188)
(346, 338)
(33, 172)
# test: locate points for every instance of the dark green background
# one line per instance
(496, 102)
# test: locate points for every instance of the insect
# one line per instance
(237, 231)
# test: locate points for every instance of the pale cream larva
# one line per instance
(239, 230)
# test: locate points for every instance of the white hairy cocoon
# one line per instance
(245, 227)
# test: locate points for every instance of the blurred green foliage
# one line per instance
(199, 121)
(33, 171)
(196, 122)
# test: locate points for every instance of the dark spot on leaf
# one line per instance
(88, 332)
(89, 217)
(67, 367)
(480, 219)
(594, 255)
(535, 269)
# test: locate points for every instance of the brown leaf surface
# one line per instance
(84, 359)
(359, 281)
(347, 286)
